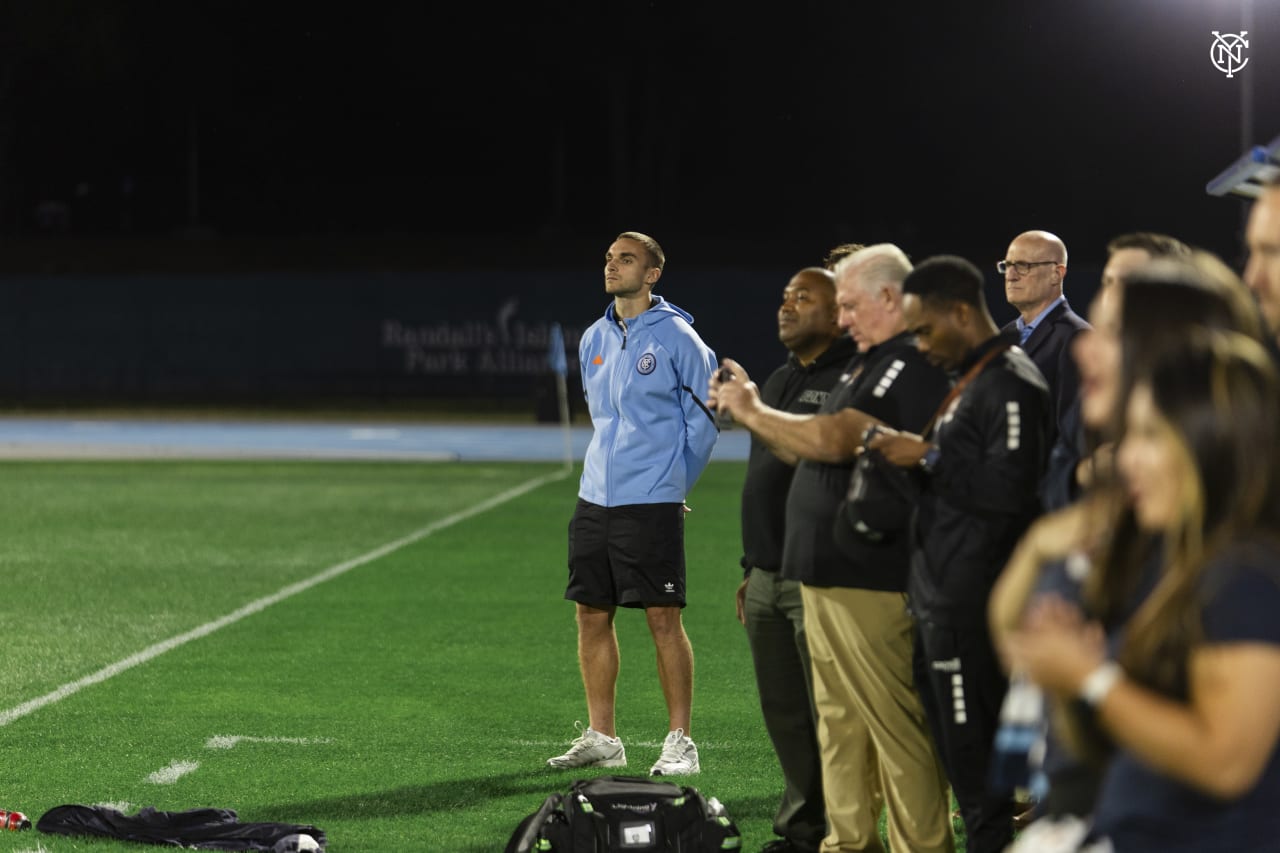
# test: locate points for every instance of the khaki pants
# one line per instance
(872, 729)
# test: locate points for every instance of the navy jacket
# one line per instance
(1050, 348)
(1059, 487)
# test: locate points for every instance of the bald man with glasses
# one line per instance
(1033, 269)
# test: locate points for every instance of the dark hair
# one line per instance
(1162, 305)
(1154, 244)
(657, 258)
(1220, 393)
(1164, 300)
(946, 278)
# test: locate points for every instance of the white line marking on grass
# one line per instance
(172, 773)
(151, 652)
(229, 741)
(122, 806)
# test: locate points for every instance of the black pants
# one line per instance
(962, 686)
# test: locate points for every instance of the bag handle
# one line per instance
(527, 840)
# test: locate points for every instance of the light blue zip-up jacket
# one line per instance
(644, 380)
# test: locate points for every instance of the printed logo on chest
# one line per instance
(812, 397)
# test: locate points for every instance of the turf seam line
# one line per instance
(151, 652)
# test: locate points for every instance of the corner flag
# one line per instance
(555, 355)
(560, 367)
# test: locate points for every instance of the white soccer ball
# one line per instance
(300, 843)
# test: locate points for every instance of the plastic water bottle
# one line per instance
(14, 821)
(1019, 736)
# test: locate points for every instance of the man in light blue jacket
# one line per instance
(644, 370)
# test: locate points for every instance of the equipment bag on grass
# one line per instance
(612, 814)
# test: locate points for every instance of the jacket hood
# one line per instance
(659, 311)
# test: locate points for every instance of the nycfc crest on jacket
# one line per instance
(644, 379)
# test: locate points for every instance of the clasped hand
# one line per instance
(1055, 647)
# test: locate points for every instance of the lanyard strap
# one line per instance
(961, 383)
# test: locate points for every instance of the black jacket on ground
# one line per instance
(981, 494)
(801, 390)
(203, 829)
(1050, 348)
(895, 384)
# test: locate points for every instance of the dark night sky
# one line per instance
(725, 130)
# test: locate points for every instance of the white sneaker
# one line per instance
(679, 756)
(592, 749)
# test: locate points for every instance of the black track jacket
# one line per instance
(981, 494)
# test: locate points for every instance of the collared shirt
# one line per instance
(1025, 329)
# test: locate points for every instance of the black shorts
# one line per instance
(627, 556)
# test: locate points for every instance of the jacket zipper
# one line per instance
(616, 383)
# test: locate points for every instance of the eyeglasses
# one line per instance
(1023, 267)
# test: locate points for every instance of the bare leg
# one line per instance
(675, 664)
(598, 659)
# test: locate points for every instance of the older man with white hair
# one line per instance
(872, 730)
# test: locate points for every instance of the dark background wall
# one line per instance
(373, 339)
(276, 202)
(368, 338)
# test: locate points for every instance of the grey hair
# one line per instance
(880, 265)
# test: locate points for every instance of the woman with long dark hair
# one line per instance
(1181, 660)
(1149, 311)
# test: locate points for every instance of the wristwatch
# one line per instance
(1100, 682)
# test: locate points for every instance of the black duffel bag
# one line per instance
(608, 814)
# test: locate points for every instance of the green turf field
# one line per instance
(381, 650)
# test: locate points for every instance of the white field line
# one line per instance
(230, 741)
(151, 652)
(175, 771)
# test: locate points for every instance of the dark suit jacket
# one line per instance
(1050, 348)
(1059, 486)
